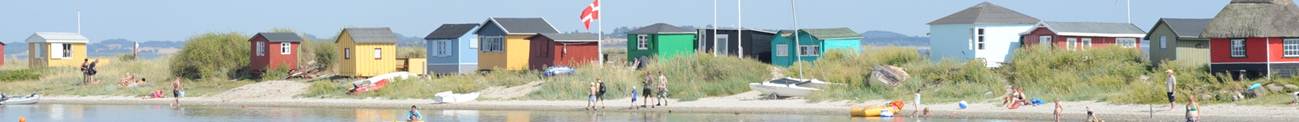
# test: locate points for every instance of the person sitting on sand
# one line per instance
(1192, 109)
(414, 114)
(1092, 116)
(1008, 97)
(125, 81)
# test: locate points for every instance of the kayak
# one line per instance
(874, 111)
(377, 82)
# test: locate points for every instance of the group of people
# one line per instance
(1014, 97)
(595, 94)
(88, 71)
(652, 90)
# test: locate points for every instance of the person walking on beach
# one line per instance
(414, 114)
(645, 90)
(1058, 110)
(1192, 109)
(917, 102)
(1172, 87)
(662, 88)
(599, 94)
(590, 96)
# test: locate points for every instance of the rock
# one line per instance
(1275, 88)
(1292, 87)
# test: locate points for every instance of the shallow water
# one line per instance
(165, 113)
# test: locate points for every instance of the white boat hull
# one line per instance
(22, 100)
(782, 90)
(448, 97)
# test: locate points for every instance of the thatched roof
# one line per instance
(1255, 18)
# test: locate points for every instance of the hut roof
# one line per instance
(1255, 18)
(986, 13)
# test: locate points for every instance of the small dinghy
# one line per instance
(788, 87)
(25, 100)
(376, 82)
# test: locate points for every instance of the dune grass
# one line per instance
(67, 80)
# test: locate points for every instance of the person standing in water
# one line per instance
(1172, 86)
(177, 90)
(414, 114)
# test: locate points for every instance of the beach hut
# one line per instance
(1084, 35)
(452, 49)
(56, 49)
(984, 31)
(505, 42)
(1, 52)
(366, 52)
(554, 49)
(272, 50)
(756, 44)
(812, 43)
(1177, 39)
(1254, 38)
(661, 41)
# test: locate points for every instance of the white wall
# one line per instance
(956, 42)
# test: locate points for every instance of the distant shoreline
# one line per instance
(1074, 110)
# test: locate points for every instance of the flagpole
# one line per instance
(714, 35)
(600, 36)
(739, 28)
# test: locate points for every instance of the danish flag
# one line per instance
(591, 13)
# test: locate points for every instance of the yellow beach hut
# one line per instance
(505, 44)
(56, 49)
(366, 51)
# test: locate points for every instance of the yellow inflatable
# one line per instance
(887, 110)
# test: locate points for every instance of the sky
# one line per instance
(176, 20)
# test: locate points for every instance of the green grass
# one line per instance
(67, 81)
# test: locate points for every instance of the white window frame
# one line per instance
(1163, 41)
(1238, 48)
(1071, 43)
(473, 43)
(347, 53)
(56, 50)
(1044, 41)
(286, 48)
(1290, 47)
(1086, 42)
(260, 48)
(67, 51)
(443, 48)
(378, 53)
(979, 41)
(493, 44)
(642, 41)
(809, 50)
(723, 43)
(1126, 42)
(782, 50)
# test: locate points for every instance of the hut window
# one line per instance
(1291, 48)
(1238, 48)
(261, 48)
(493, 43)
(286, 48)
(1086, 42)
(1044, 41)
(443, 48)
(347, 53)
(782, 50)
(642, 42)
(67, 50)
(378, 53)
(979, 39)
(1071, 43)
(723, 43)
(473, 43)
(1127, 42)
(809, 50)
(1163, 41)
(60, 50)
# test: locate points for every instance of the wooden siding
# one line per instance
(1061, 42)
(273, 58)
(362, 62)
(45, 60)
(661, 46)
(546, 53)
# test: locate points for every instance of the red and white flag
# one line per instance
(591, 13)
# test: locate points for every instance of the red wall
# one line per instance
(546, 53)
(273, 57)
(1058, 41)
(1256, 51)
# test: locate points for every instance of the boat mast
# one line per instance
(798, 54)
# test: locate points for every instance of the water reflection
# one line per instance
(130, 113)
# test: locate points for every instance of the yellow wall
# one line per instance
(515, 56)
(362, 62)
(416, 66)
(78, 56)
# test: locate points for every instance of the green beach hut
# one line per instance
(812, 43)
(662, 40)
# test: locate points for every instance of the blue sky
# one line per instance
(179, 19)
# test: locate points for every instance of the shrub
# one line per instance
(212, 55)
(702, 75)
(19, 75)
(276, 73)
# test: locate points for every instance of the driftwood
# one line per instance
(890, 75)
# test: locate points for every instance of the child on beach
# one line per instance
(414, 114)
(590, 96)
(1192, 109)
(633, 96)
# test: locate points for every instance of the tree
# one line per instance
(212, 55)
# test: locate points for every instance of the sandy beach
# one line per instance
(742, 103)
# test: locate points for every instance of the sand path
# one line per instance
(279, 89)
(500, 92)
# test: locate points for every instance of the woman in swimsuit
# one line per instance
(1192, 110)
